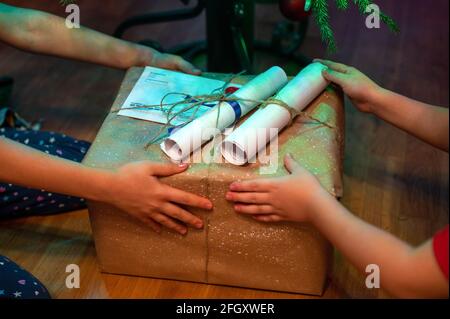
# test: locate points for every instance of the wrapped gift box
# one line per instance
(232, 249)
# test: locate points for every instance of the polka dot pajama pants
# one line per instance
(17, 283)
(16, 201)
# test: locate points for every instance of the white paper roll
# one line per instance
(253, 135)
(192, 136)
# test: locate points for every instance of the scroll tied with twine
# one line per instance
(222, 101)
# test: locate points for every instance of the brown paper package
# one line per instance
(232, 249)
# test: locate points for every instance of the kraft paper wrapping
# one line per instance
(232, 249)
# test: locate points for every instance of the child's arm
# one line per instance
(134, 188)
(45, 33)
(404, 271)
(428, 123)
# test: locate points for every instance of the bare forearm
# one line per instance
(361, 243)
(404, 271)
(426, 122)
(44, 33)
(24, 166)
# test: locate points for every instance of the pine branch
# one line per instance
(362, 5)
(320, 10)
(66, 2)
(342, 4)
(393, 26)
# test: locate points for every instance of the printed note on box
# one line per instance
(154, 84)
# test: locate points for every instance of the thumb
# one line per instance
(166, 169)
(291, 165)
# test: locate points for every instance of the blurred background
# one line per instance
(74, 97)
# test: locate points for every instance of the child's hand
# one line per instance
(173, 62)
(152, 57)
(292, 197)
(355, 84)
(136, 189)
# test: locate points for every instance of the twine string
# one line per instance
(218, 96)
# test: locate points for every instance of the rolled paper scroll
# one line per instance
(192, 136)
(253, 135)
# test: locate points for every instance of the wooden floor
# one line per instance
(391, 179)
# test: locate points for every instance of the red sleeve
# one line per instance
(440, 247)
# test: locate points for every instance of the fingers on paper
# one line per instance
(335, 76)
(257, 185)
(162, 169)
(255, 209)
(268, 218)
(182, 65)
(181, 197)
(339, 67)
(182, 215)
(248, 197)
(291, 165)
(170, 223)
(187, 67)
(152, 224)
